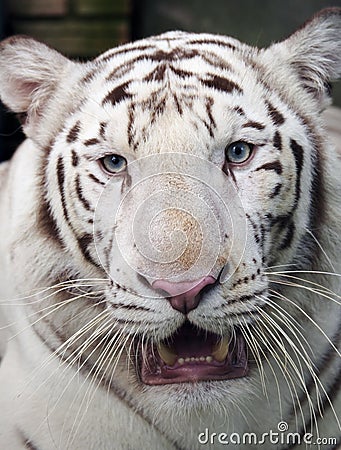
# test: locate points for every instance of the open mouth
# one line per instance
(192, 355)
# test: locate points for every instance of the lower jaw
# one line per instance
(153, 370)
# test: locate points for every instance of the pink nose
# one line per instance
(184, 295)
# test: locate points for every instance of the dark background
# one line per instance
(84, 28)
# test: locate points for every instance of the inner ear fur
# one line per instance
(313, 52)
(29, 74)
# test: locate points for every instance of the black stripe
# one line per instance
(212, 42)
(246, 298)
(263, 231)
(107, 250)
(275, 165)
(221, 84)
(215, 61)
(84, 240)
(209, 104)
(89, 76)
(95, 179)
(162, 57)
(181, 73)
(28, 443)
(46, 221)
(276, 190)
(61, 179)
(251, 313)
(72, 135)
(281, 221)
(252, 222)
(80, 195)
(276, 117)
(178, 53)
(123, 69)
(74, 158)
(277, 141)
(118, 94)
(83, 243)
(157, 110)
(102, 128)
(240, 111)
(177, 104)
(256, 230)
(252, 124)
(229, 172)
(298, 155)
(286, 242)
(130, 131)
(129, 307)
(89, 142)
(117, 52)
(157, 74)
(317, 209)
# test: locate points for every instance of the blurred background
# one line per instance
(82, 29)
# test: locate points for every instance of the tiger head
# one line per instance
(179, 169)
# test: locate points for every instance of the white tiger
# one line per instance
(170, 245)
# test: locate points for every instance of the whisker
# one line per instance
(262, 339)
(104, 358)
(321, 248)
(63, 285)
(310, 289)
(53, 308)
(309, 366)
(283, 366)
(63, 348)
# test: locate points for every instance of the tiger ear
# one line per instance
(314, 52)
(29, 74)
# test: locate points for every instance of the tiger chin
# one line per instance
(170, 245)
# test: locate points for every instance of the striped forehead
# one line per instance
(171, 48)
(191, 64)
(188, 86)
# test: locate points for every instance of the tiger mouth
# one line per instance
(191, 355)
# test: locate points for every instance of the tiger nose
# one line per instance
(184, 296)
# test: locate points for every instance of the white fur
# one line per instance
(53, 404)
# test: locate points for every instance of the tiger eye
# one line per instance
(114, 163)
(238, 152)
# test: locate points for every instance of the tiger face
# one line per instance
(180, 170)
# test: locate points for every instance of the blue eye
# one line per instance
(238, 152)
(114, 163)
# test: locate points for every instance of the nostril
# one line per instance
(184, 295)
(183, 287)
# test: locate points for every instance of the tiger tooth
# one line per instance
(167, 354)
(220, 349)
